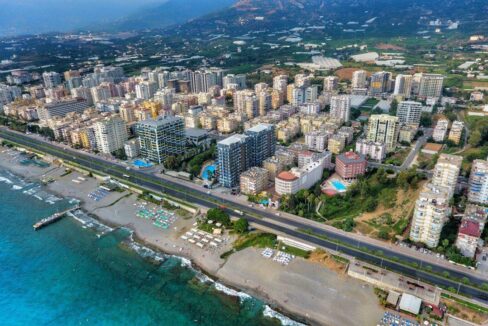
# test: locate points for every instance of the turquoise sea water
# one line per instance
(71, 274)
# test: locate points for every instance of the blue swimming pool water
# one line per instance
(142, 164)
(339, 186)
(210, 168)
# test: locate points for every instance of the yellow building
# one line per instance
(154, 107)
(254, 181)
(336, 144)
(456, 132)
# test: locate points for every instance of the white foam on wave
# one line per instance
(231, 292)
(285, 321)
(16, 187)
(6, 180)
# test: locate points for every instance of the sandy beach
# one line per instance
(302, 288)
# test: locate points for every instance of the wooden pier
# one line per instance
(53, 218)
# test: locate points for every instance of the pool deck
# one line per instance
(142, 164)
(328, 184)
(208, 167)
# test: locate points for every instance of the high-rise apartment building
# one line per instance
(51, 79)
(431, 213)
(233, 159)
(145, 90)
(403, 85)
(110, 134)
(234, 82)
(380, 83)
(311, 94)
(264, 102)
(316, 140)
(409, 112)
(340, 107)
(331, 83)
(384, 128)
(162, 137)
(359, 79)
(446, 172)
(280, 83)
(238, 153)
(263, 143)
(429, 85)
(203, 80)
(478, 182)
(440, 130)
(456, 132)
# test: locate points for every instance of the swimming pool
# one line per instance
(208, 168)
(142, 164)
(339, 186)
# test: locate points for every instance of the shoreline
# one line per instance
(277, 311)
(303, 292)
(262, 296)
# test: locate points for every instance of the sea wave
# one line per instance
(16, 187)
(231, 292)
(149, 253)
(89, 222)
(285, 321)
(6, 180)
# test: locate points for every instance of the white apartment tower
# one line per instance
(331, 83)
(340, 107)
(359, 79)
(110, 134)
(429, 85)
(478, 182)
(384, 128)
(403, 85)
(440, 130)
(51, 79)
(146, 89)
(409, 112)
(446, 172)
(431, 212)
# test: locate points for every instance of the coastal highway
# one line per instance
(347, 243)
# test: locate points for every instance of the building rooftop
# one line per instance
(159, 121)
(450, 159)
(470, 228)
(410, 303)
(195, 132)
(287, 176)
(351, 157)
(232, 140)
(254, 172)
(260, 127)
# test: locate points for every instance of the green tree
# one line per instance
(120, 154)
(426, 119)
(241, 226)
(475, 138)
(393, 107)
(218, 215)
(383, 234)
(170, 162)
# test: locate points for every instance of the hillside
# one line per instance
(169, 13)
(378, 18)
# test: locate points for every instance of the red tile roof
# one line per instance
(471, 228)
(286, 176)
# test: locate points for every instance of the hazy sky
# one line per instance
(31, 16)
